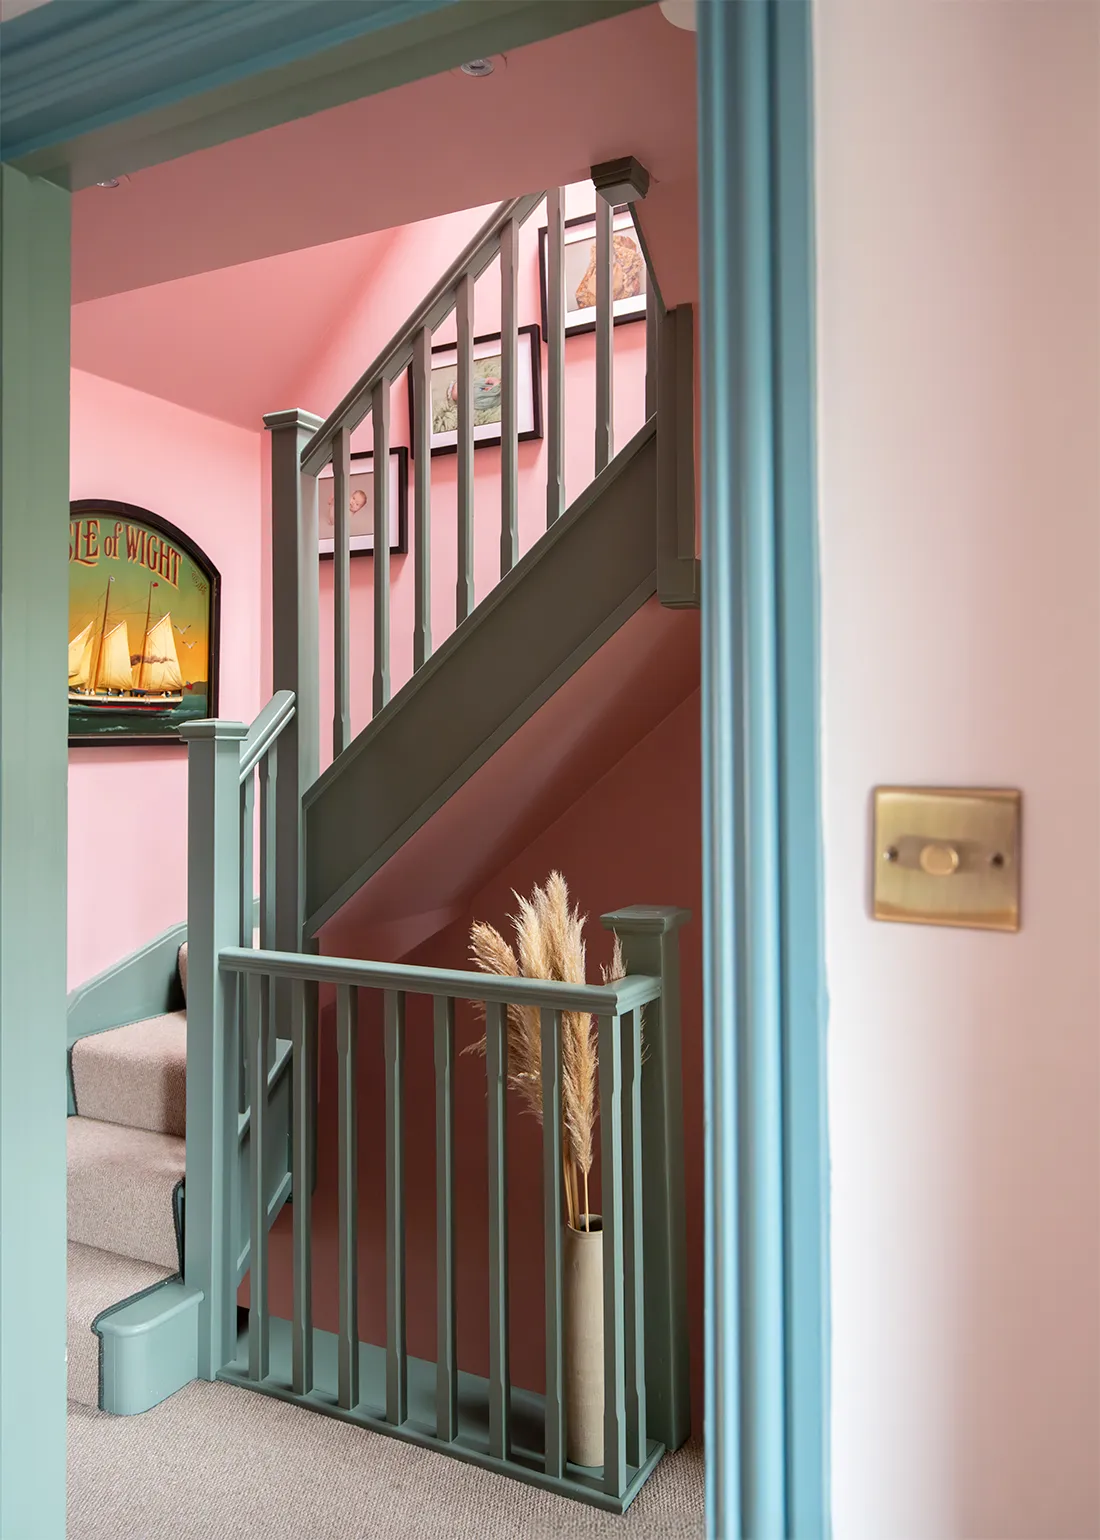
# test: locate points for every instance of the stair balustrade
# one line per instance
(490, 1421)
(254, 1022)
(317, 445)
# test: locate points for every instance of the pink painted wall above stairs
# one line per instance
(128, 806)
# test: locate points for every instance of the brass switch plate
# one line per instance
(947, 857)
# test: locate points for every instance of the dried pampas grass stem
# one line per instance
(550, 945)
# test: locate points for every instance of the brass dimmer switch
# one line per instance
(947, 857)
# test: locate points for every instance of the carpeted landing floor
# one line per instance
(216, 1463)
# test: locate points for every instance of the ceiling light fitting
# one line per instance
(478, 68)
(112, 181)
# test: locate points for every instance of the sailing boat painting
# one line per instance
(143, 622)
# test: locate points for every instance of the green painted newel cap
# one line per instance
(646, 919)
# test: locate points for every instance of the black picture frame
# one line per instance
(621, 317)
(399, 454)
(535, 431)
(109, 510)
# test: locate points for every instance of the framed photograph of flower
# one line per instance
(486, 391)
(361, 505)
(628, 274)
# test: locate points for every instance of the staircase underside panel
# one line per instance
(608, 706)
(560, 605)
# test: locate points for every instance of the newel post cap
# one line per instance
(645, 919)
(295, 417)
(212, 728)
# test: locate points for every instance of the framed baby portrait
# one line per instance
(486, 383)
(628, 275)
(361, 505)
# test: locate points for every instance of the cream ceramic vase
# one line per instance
(582, 1310)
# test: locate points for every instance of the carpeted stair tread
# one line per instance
(97, 1280)
(135, 1075)
(122, 1184)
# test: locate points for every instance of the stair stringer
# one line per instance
(568, 595)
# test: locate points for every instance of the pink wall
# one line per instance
(127, 806)
(959, 246)
(405, 270)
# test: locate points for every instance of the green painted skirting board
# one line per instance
(472, 1443)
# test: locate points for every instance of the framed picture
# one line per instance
(361, 504)
(486, 391)
(143, 626)
(628, 274)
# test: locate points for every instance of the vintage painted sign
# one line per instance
(143, 626)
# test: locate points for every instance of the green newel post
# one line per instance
(295, 662)
(213, 1048)
(34, 589)
(651, 945)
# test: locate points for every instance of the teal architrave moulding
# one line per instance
(767, 1326)
(34, 597)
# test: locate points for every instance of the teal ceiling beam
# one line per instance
(767, 1156)
(98, 88)
(74, 65)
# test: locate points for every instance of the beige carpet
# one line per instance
(121, 1185)
(135, 1075)
(216, 1463)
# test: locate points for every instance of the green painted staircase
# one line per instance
(131, 1318)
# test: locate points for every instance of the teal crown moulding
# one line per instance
(72, 66)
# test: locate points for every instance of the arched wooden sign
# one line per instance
(143, 626)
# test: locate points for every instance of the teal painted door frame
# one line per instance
(767, 1312)
(34, 608)
(767, 1229)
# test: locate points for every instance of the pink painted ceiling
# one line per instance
(229, 343)
(625, 86)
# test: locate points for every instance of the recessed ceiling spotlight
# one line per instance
(112, 181)
(478, 68)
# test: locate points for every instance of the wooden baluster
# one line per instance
(380, 415)
(509, 422)
(496, 1062)
(633, 1258)
(552, 1245)
(347, 1137)
(652, 344)
(397, 1372)
(422, 460)
(555, 349)
(341, 592)
(269, 770)
(259, 1034)
(605, 319)
(302, 1018)
(248, 864)
(464, 312)
(446, 1373)
(611, 1166)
